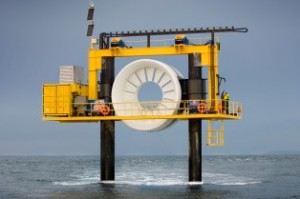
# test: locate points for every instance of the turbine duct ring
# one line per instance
(127, 85)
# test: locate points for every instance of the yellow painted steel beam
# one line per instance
(143, 117)
(94, 64)
(208, 53)
(150, 51)
(212, 76)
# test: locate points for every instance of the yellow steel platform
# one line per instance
(142, 117)
(137, 111)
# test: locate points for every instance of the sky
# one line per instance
(262, 70)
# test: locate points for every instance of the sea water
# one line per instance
(150, 177)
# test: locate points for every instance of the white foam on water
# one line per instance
(157, 183)
(71, 183)
(228, 179)
(160, 179)
(80, 180)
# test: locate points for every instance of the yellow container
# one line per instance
(57, 100)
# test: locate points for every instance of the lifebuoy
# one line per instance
(202, 107)
(104, 109)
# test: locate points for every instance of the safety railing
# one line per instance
(156, 108)
(167, 41)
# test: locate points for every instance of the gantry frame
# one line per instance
(206, 53)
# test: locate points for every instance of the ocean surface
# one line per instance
(150, 177)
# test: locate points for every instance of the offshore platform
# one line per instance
(108, 99)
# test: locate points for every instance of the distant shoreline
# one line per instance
(149, 155)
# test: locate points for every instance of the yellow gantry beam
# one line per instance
(208, 56)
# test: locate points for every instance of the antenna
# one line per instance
(90, 19)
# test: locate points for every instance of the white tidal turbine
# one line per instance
(128, 85)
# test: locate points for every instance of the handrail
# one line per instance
(170, 41)
(154, 108)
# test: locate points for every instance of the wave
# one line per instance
(135, 183)
(228, 179)
(81, 180)
(151, 183)
(144, 179)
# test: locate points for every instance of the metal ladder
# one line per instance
(215, 133)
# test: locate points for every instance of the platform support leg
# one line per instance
(107, 126)
(195, 151)
(196, 91)
(107, 150)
